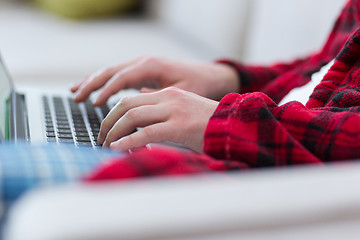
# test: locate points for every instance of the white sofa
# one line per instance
(300, 203)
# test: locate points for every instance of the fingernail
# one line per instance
(105, 145)
(76, 96)
(97, 102)
(114, 145)
(100, 138)
(117, 145)
(144, 90)
(147, 90)
(73, 85)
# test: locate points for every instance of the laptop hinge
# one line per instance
(19, 128)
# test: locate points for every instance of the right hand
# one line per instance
(159, 115)
(150, 74)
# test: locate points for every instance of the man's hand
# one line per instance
(167, 115)
(149, 74)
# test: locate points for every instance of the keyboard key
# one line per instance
(84, 144)
(60, 114)
(49, 124)
(51, 139)
(64, 135)
(83, 139)
(63, 126)
(61, 118)
(79, 125)
(49, 129)
(105, 110)
(76, 114)
(62, 122)
(80, 129)
(93, 116)
(78, 120)
(95, 132)
(66, 131)
(81, 134)
(65, 140)
(50, 134)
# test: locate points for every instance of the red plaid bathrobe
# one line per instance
(249, 130)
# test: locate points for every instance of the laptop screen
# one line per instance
(5, 92)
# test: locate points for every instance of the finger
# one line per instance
(151, 90)
(98, 79)
(155, 133)
(184, 86)
(123, 107)
(93, 83)
(77, 85)
(148, 90)
(129, 77)
(137, 117)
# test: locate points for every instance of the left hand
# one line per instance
(168, 115)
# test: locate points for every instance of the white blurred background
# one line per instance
(39, 45)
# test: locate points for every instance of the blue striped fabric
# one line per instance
(23, 166)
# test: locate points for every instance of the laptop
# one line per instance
(41, 115)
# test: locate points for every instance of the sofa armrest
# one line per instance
(302, 203)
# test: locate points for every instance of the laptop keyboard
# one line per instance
(72, 123)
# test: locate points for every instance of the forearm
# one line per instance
(254, 78)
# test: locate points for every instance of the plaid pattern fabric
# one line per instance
(165, 161)
(23, 166)
(250, 130)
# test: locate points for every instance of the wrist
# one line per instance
(232, 75)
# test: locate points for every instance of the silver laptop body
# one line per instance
(39, 114)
